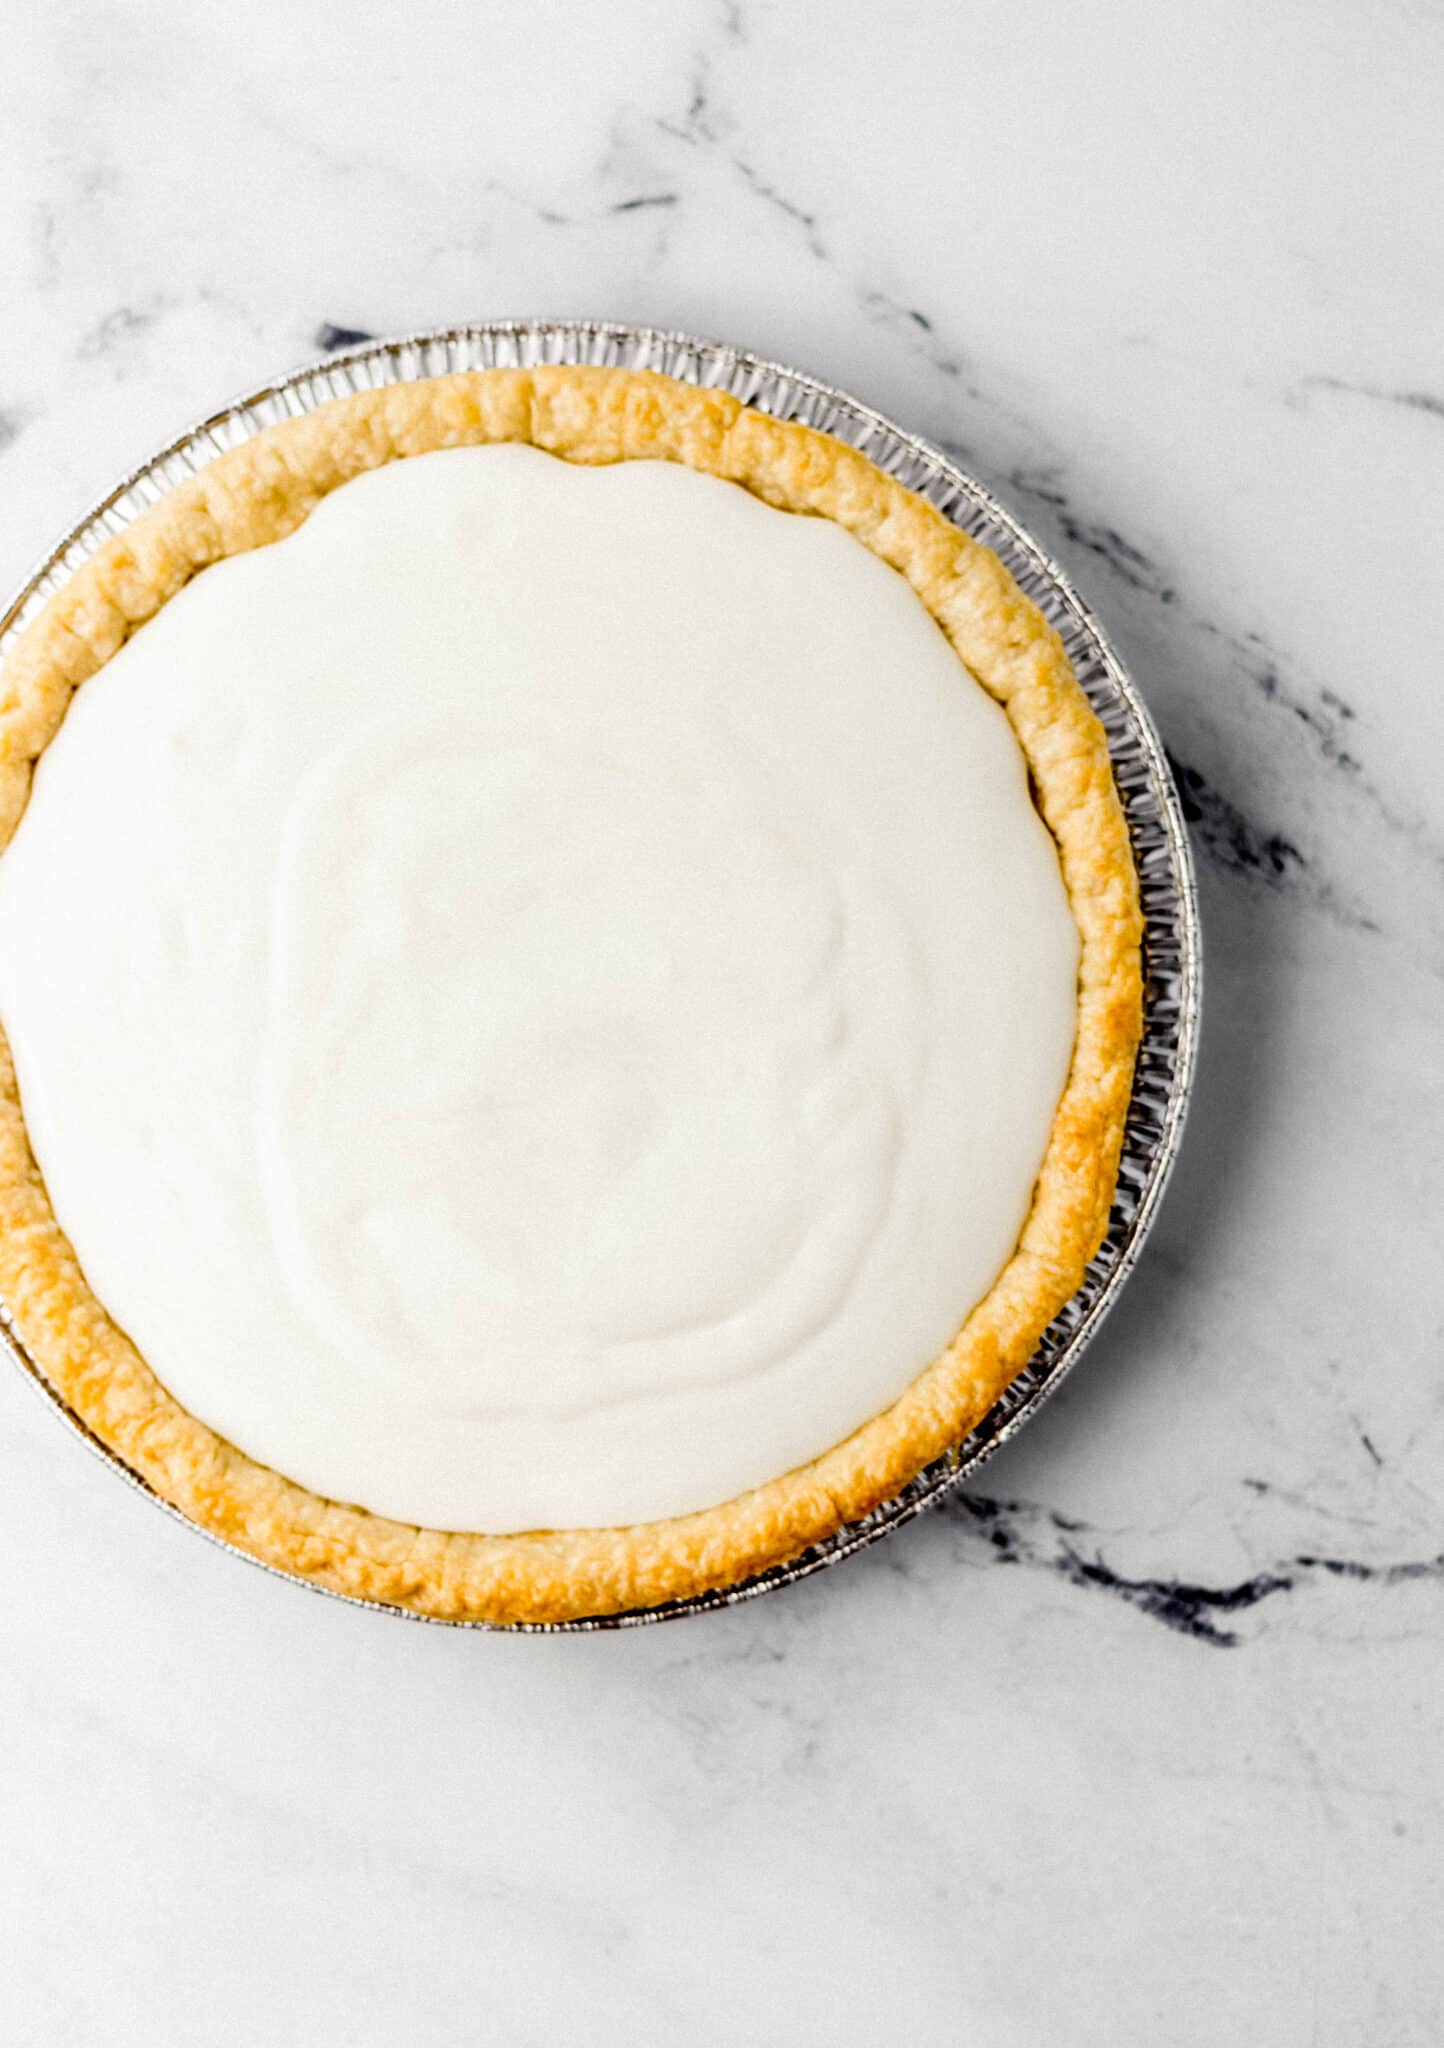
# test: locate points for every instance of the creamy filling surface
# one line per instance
(540, 999)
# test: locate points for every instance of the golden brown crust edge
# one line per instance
(263, 490)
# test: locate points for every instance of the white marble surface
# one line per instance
(1140, 1742)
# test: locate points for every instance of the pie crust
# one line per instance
(263, 490)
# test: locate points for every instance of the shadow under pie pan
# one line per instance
(1170, 937)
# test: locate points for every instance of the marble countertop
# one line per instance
(1140, 1741)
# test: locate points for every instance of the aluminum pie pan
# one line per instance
(1172, 954)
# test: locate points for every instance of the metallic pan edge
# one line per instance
(1171, 941)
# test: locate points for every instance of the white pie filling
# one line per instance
(540, 999)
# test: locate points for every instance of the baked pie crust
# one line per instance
(260, 492)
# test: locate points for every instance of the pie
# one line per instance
(574, 996)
